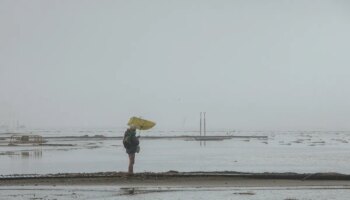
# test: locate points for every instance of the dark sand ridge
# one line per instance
(173, 178)
(220, 137)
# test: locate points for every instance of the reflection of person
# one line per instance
(131, 144)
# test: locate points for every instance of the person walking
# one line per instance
(131, 144)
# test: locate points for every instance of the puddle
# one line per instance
(171, 193)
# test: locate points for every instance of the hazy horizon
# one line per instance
(250, 65)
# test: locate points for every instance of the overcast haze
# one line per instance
(255, 65)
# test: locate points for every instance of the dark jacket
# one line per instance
(130, 141)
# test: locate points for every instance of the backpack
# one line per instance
(127, 140)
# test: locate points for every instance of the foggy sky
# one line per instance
(254, 65)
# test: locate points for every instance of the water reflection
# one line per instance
(27, 154)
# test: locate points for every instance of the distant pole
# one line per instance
(205, 128)
(200, 124)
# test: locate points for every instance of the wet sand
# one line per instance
(174, 185)
(197, 179)
(203, 187)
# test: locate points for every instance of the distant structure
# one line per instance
(26, 139)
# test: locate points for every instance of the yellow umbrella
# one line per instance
(140, 123)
